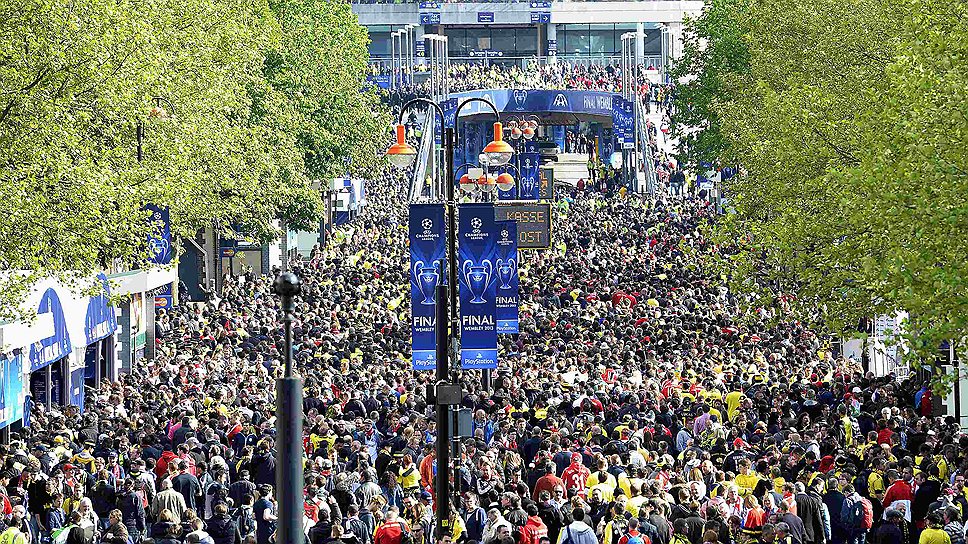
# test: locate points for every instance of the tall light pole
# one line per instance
(446, 391)
(520, 131)
(289, 419)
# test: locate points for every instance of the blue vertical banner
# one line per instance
(530, 182)
(427, 249)
(623, 123)
(477, 236)
(506, 269)
(159, 241)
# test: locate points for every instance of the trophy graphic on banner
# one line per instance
(477, 278)
(427, 278)
(505, 271)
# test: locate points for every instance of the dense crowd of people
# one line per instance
(640, 404)
(561, 75)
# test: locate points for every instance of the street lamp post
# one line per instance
(447, 388)
(289, 419)
(156, 111)
(520, 131)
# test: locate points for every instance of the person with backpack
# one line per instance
(393, 530)
(616, 527)
(578, 532)
(244, 516)
(856, 517)
(634, 536)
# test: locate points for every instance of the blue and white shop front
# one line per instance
(49, 360)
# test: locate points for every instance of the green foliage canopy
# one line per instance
(260, 101)
(848, 118)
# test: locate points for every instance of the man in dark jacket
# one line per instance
(796, 530)
(188, 485)
(890, 531)
(810, 511)
(834, 500)
(263, 466)
(241, 487)
(551, 515)
(132, 511)
(222, 527)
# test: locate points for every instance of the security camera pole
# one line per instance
(289, 457)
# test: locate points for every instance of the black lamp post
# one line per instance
(289, 457)
(156, 111)
(446, 391)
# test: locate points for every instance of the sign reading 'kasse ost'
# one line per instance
(533, 220)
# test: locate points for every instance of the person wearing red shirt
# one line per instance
(390, 531)
(534, 529)
(900, 490)
(576, 474)
(547, 482)
(884, 433)
(634, 532)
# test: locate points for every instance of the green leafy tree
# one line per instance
(850, 128)
(715, 58)
(243, 107)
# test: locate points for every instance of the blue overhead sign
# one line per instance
(485, 17)
(430, 18)
(429, 6)
(540, 101)
(540, 17)
(381, 81)
(540, 4)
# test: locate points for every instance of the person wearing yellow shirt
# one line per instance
(617, 527)
(935, 533)
(636, 500)
(733, 399)
(602, 476)
(409, 476)
(746, 480)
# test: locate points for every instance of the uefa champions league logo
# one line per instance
(520, 96)
(427, 224)
(476, 224)
(504, 234)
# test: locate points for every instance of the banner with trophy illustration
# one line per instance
(477, 238)
(530, 164)
(427, 248)
(506, 268)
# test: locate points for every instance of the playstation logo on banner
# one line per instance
(560, 101)
(520, 97)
